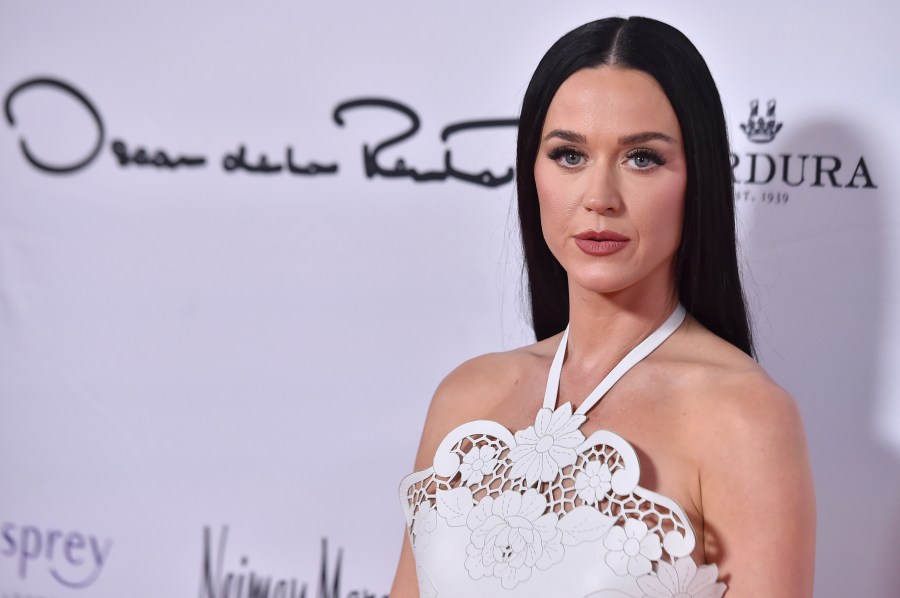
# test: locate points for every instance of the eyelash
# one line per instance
(558, 153)
(647, 154)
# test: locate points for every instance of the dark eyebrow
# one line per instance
(573, 137)
(644, 138)
(570, 136)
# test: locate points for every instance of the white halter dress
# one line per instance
(545, 513)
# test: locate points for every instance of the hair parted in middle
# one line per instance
(707, 276)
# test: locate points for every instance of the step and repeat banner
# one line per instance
(241, 243)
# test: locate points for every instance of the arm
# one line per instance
(757, 495)
(405, 583)
(461, 397)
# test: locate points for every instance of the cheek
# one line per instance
(554, 202)
(545, 200)
(663, 218)
(676, 211)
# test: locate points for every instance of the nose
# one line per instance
(602, 191)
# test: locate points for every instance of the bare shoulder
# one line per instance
(740, 415)
(746, 436)
(475, 388)
(730, 396)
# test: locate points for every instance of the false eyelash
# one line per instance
(558, 152)
(643, 152)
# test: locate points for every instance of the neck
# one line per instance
(603, 327)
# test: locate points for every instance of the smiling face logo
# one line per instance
(73, 558)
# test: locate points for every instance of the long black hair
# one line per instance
(707, 276)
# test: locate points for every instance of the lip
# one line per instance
(600, 243)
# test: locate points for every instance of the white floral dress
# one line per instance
(545, 512)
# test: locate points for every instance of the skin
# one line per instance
(711, 429)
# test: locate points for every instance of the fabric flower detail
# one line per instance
(426, 588)
(632, 548)
(424, 522)
(682, 580)
(477, 463)
(593, 482)
(547, 446)
(510, 536)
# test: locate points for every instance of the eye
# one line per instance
(644, 159)
(566, 157)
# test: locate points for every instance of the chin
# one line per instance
(604, 283)
(609, 280)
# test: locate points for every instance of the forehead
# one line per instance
(611, 100)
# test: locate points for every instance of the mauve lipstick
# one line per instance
(600, 243)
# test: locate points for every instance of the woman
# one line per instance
(685, 471)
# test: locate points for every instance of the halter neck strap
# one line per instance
(647, 346)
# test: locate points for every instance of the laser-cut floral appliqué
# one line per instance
(514, 530)
(547, 446)
(514, 534)
(477, 463)
(545, 512)
(684, 579)
(632, 548)
(426, 588)
(594, 482)
(424, 522)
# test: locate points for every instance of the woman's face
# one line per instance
(611, 177)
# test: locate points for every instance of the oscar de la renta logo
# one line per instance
(376, 164)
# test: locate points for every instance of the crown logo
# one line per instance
(761, 129)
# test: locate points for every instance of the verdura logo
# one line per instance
(792, 169)
(761, 129)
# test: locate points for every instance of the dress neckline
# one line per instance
(642, 350)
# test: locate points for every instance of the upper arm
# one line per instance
(757, 494)
(462, 396)
(406, 584)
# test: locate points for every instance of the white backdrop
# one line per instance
(210, 371)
